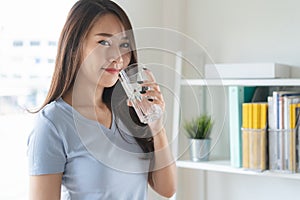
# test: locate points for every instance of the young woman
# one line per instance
(87, 138)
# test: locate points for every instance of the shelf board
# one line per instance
(224, 166)
(241, 82)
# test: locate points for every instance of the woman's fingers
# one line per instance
(129, 103)
(153, 94)
(151, 85)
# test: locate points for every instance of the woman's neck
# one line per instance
(87, 101)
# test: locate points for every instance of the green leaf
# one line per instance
(199, 128)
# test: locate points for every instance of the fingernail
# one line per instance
(145, 88)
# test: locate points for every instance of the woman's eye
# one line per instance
(125, 45)
(104, 43)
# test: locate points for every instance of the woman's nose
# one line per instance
(114, 55)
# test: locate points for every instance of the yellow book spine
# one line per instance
(263, 147)
(256, 116)
(250, 115)
(263, 136)
(292, 116)
(245, 138)
(245, 115)
(245, 134)
(254, 138)
(263, 115)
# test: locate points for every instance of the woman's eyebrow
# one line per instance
(104, 34)
(110, 35)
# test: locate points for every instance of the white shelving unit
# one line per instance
(223, 166)
(241, 82)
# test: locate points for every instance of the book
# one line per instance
(288, 100)
(258, 137)
(278, 107)
(297, 129)
(264, 140)
(282, 133)
(254, 147)
(263, 153)
(247, 110)
(271, 120)
(291, 104)
(256, 116)
(292, 151)
(237, 96)
(264, 116)
(254, 138)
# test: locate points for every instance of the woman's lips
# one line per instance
(112, 70)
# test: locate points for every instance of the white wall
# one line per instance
(231, 31)
(246, 31)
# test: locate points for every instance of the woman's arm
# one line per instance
(45, 187)
(163, 176)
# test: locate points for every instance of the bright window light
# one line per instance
(29, 31)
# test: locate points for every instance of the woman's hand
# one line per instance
(154, 96)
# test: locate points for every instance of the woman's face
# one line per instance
(106, 50)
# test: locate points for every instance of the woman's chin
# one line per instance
(108, 83)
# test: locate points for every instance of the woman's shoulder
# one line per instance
(56, 112)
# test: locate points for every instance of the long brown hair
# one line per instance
(80, 20)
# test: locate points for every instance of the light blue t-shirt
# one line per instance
(97, 163)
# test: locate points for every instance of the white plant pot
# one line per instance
(199, 149)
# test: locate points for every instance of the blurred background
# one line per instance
(29, 32)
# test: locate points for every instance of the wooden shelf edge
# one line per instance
(224, 166)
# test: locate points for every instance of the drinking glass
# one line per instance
(132, 79)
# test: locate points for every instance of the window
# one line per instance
(37, 60)
(25, 58)
(17, 43)
(50, 60)
(51, 43)
(34, 43)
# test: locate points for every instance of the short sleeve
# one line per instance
(46, 154)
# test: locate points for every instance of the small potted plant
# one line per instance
(198, 131)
